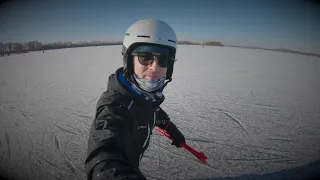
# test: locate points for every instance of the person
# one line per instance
(129, 109)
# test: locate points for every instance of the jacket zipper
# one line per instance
(145, 142)
(154, 119)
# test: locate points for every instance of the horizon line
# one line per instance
(179, 41)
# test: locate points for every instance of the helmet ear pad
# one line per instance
(170, 70)
(128, 68)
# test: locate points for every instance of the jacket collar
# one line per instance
(118, 82)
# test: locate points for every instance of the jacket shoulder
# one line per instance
(113, 98)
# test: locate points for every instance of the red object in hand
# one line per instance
(198, 154)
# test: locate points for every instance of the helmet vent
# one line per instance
(144, 36)
(127, 34)
(171, 41)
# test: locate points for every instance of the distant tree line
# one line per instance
(188, 43)
(278, 50)
(209, 43)
(13, 47)
(213, 43)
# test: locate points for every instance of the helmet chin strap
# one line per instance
(165, 84)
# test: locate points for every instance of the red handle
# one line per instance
(198, 154)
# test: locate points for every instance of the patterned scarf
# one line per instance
(149, 85)
(151, 89)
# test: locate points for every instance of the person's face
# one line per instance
(149, 72)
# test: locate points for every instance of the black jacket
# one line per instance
(121, 130)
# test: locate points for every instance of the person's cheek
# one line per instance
(164, 72)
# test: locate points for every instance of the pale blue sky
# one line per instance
(292, 24)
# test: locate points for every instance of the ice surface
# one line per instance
(250, 112)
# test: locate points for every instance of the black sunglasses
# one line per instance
(146, 59)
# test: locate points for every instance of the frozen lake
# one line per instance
(249, 111)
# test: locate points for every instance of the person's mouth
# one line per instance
(152, 77)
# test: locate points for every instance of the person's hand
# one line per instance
(176, 135)
(116, 170)
(163, 122)
(162, 119)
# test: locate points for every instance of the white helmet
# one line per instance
(150, 31)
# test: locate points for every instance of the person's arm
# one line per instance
(163, 122)
(109, 142)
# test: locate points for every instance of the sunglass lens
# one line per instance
(163, 61)
(145, 59)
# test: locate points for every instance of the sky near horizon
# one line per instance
(271, 24)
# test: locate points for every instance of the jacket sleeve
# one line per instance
(162, 119)
(163, 122)
(109, 141)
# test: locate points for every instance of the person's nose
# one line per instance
(154, 64)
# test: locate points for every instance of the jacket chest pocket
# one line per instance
(143, 116)
(144, 128)
(143, 123)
